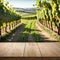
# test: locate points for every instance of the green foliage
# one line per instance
(49, 11)
(6, 3)
(1, 1)
(7, 14)
(38, 3)
(50, 8)
(46, 6)
(59, 2)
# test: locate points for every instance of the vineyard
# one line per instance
(9, 18)
(48, 14)
(42, 26)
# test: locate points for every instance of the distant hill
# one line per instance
(26, 10)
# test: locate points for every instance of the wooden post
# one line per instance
(59, 29)
(51, 26)
(0, 32)
(6, 28)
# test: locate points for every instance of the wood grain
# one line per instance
(42, 49)
(49, 49)
(12, 49)
(32, 50)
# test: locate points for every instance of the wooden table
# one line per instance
(42, 49)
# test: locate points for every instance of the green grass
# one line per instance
(30, 28)
(35, 33)
(25, 33)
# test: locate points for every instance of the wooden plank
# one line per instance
(12, 49)
(47, 50)
(50, 49)
(55, 48)
(32, 50)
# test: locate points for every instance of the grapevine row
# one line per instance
(48, 14)
(9, 18)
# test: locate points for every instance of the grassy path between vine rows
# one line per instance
(27, 32)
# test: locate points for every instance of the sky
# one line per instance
(21, 3)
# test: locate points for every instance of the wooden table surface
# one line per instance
(42, 49)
